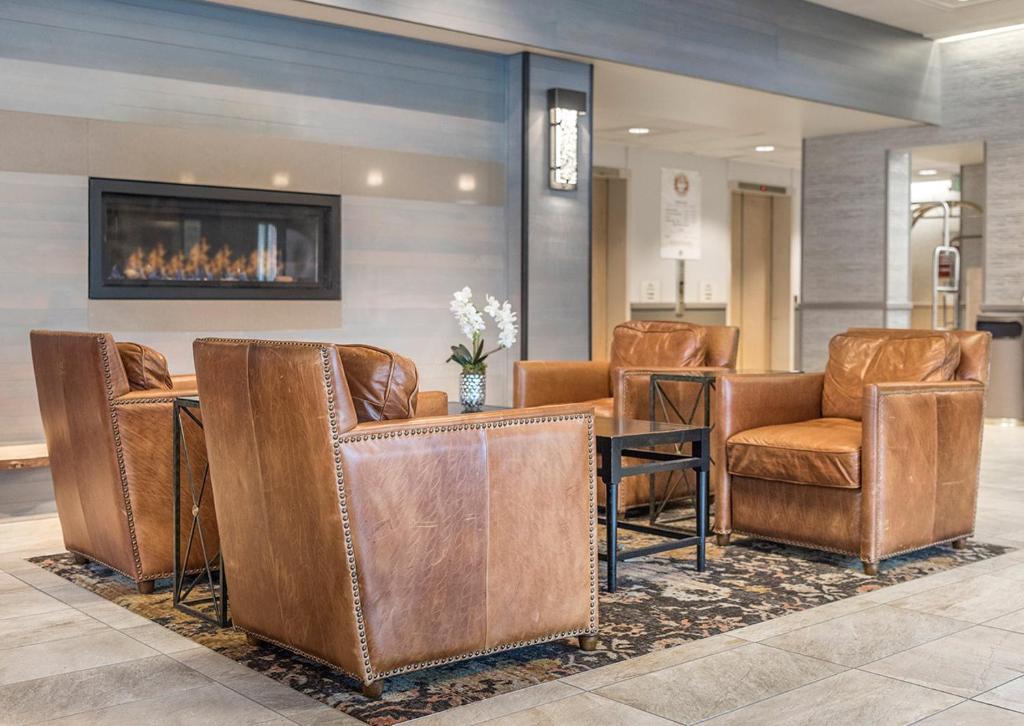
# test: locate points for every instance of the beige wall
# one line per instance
(405, 245)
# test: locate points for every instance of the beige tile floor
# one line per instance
(942, 650)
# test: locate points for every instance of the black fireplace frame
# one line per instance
(328, 286)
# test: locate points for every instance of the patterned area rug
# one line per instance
(661, 602)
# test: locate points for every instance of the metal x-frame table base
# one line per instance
(611, 471)
(212, 570)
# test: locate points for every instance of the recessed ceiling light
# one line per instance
(639, 130)
(280, 179)
(764, 148)
(928, 172)
(466, 182)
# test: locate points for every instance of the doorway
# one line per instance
(609, 301)
(760, 302)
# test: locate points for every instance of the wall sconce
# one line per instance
(565, 107)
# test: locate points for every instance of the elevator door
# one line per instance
(759, 301)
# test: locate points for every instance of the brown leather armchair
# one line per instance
(107, 413)
(383, 547)
(620, 386)
(875, 457)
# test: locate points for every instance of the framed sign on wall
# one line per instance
(680, 214)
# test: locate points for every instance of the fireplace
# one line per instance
(151, 240)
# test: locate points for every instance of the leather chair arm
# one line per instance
(921, 453)
(431, 403)
(542, 383)
(445, 511)
(747, 401)
(186, 382)
(144, 421)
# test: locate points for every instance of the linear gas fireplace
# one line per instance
(150, 240)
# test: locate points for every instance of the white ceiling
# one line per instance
(713, 119)
(945, 159)
(935, 18)
(684, 114)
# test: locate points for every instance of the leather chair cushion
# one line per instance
(859, 358)
(383, 385)
(643, 343)
(146, 368)
(819, 452)
(974, 345)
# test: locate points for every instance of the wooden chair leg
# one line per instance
(722, 540)
(146, 587)
(870, 568)
(79, 559)
(373, 690)
(588, 642)
(959, 544)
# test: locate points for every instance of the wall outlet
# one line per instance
(650, 291)
(707, 292)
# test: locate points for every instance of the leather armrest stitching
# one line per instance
(136, 401)
(119, 453)
(339, 474)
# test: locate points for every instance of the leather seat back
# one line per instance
(273, 412)
(77, 377)
(862, 356)
(974, 348)
(641, 343)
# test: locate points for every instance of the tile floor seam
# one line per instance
(776, 695)
(995, 705)
(109, 705)
(932, 715)
(993, 688)
(933, 688)
(809, 625)
(758, 700)
(662, 668)
(539, 705)
(673, 665)
(228, 686)
(967, 626)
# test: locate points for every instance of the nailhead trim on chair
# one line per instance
(304, 654)
(338, 439)
(358, 437)
(592, 628)
(108, 383)
(148, 578)
(343, 508)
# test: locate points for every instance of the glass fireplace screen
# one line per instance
(178, 240)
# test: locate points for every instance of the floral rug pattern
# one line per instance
(661, 602)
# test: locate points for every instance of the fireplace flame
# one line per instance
(260, 265)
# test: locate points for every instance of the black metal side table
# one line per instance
(212, 570)
(618, 438)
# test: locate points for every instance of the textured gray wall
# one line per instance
(557, 232)
(897, 234)
(844, 253)
(785, 46)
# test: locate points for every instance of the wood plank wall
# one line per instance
(177, 90)
(791, 47)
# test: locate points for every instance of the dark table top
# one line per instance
(626, 427)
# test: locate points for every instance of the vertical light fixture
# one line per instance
(564, 109)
